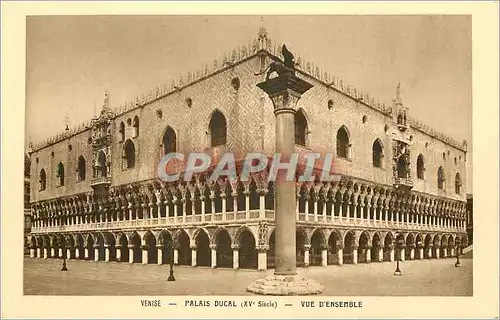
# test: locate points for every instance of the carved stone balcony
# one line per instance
(100, 181)
(403, 183)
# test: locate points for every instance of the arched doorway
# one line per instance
(135, 241)
(203, 251)
(348, 247)
(300, 241)
(184, 257)
(376, 246)
(271, 254)
(333, 242)
(90, 247)
(247, 254)
(100, 247)
(363, 247)
(123, 241)
(224, 251)
(151, 248)
(317, 245)
(388, 246)
(165, 240)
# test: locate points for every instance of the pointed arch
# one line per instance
(121, 131)
(458, 183)
(43, 180)
(103, 167)
(301, 128)
(60, 174)
(169, 140)
(128, 154)
(343, 143)
(377, 153)
(440, 178)
(136, 126)
(420, 166)
(217, 129)
(82, 170)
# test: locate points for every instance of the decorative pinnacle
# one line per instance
(398, 93)
(106, 99)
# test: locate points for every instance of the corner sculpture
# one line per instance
(284, 68)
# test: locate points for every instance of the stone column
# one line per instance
(402, 253)
(159, 249)
(52, 252)
(193, 255)
(340, 255)
(429, 252)
(262, 205)
(452, 251)
(445, 252)
(380, 254)
(436, 250)
(118, 254)
(68, 253)
(324, 257)
(391, 254)
(77, 253)
(236, 256)
(368, 254)
(131, 253)
(284, 92)
(106, 253)
(421, 252)
(176, 256)
(45, 253)
(213, 255)
(412, 253)
(144, 249)
(96, 253)
(262, 259)
(307, 248)
(32, 253)
(355, 255)
(38, 252)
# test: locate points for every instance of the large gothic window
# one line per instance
(136, 126)
(103, 167)
(420, 167)
(43, 180)
(218, 129)
(169, 141)
(60, 174)
(458, 183)
(129, 155)
(300, 128)
(401, 167)
(377, 151)
(343, 143)
(122, 131)
(440, 178)
(81, 168)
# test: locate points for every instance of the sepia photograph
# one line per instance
(198, 161)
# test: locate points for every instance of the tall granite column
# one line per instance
(285, 91)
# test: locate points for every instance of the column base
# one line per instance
(278, 285)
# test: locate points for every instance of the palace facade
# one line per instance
(96, 195)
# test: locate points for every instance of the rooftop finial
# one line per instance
(106, 99)
(398, 93)
(66, 121)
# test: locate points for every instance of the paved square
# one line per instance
(420, 278)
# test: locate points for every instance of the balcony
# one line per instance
(95, 182)
(403, 183)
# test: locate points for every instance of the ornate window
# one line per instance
(377, 151)
(81, 168)
(136, 126)
(300, 128)
(440, 178)
(343, 143)
(102, 170)
(43, 180)
(128, 155)
(420, 167)
(169, 141)
(458, 183)
(60, 173)
(218, 129)
(122, 131)
(402, 167)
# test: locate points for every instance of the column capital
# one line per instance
(262, 248)
(159, 246)
(213, 247)
(235, 247)
(144, 247)
(131, 246)
(192, 246)
(307, 247)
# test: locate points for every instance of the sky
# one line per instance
(72, 60)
